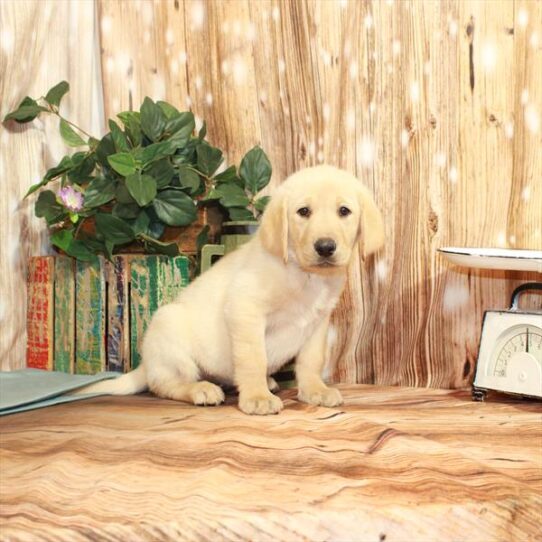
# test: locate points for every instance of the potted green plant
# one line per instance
(143, 185)
(147, 186)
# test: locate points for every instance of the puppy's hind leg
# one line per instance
(178, 380)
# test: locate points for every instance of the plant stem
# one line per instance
(55, 111)
(74, 125)
(208, 179)
(79, 227)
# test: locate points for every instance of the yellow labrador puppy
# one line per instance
(265, 303)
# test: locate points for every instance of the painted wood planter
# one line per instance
(85, 318)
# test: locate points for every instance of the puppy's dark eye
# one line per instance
(304, 211)
(344, 211)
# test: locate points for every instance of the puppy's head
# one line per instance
(316, 217)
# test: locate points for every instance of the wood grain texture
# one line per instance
(117, 277)
(436, 106)
(41, 43)
(391, 464)
(90, 336)
(40, 320)
(154, 281)
(64, 314)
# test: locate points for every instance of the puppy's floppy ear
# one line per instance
(273, 229)
(371, 223)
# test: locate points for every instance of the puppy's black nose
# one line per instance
(325, 247)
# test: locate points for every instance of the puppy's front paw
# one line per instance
(205, 393)
(261, 404)
(321, 395)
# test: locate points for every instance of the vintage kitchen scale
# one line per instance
(510, 354)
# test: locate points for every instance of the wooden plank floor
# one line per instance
(394, 464)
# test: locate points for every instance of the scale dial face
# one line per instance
(515, 343)
(510, 356)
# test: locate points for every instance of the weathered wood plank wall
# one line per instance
(435, 105)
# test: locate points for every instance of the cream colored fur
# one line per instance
(262, 305)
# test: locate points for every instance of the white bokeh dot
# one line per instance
(106, 24)
(532, 119)
(197, 13)
(239, 71)
(353, 70)
(489, 56)
(523, 17)
(509, 129)
(366, 151)
(453, 175)
(404, 138)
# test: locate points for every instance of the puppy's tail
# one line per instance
(128, 384)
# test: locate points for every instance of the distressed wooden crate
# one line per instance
(85, 318)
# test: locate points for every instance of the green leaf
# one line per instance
(55, 94)
(189, 179)
(27, 111)
(232, 195)
(82, 171)
(105, 148)
(141, 223)
(69, 135)
(212, 194)
(153, 120)
(132, 125)
(155, 151)
(162, 171)
(119, 138)
(174, 208)
(124, 116)
(141, 187)
(109, 246)
(187, 154)
(93, 143)
(123, 163)
(114, 229)
(79, 250)
(65, 165)
(209, 158)
(156, 227)
(126, 210)
(229, 175)
(78, 158)
(168, 110)
(239, 213)
(122, 195)
(99, 191)
(63, 239)
(181, 127)
(255, 170)
(202, 131)
(158, 247)
(261, 203)
(48, 207)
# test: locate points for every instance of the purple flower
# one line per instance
(71, 198)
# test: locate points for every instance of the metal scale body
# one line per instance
(510, 354)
